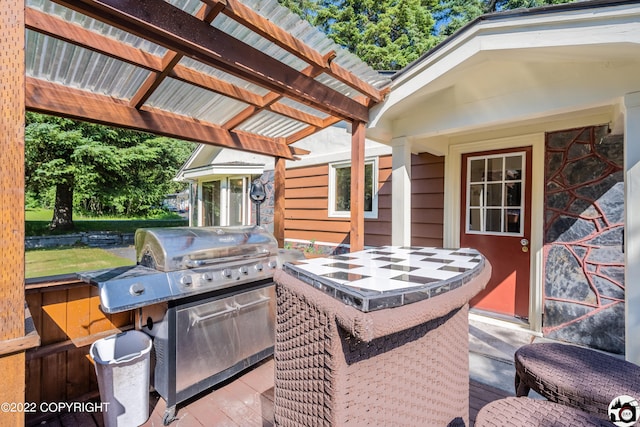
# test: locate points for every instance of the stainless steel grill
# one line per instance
(205, 295)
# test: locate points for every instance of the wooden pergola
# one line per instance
(245, 75)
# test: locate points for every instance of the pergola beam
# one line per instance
(176, 30)
(51, 98)
(170, 60)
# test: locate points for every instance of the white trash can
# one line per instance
(122, 367)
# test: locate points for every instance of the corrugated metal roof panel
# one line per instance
(51, 59)
(258, 42)
(337, 85)
(61, 62)
(192, 101)
(304, 108)
(272, 125)
(91, 24)
(189, 6)
(213, 72)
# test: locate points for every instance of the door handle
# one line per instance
(525, 245)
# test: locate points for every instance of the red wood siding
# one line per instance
(427, 200)
(377, 232)
(307, 215)
(307, 212)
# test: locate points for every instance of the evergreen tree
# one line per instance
(386, 34)
(454, 14)
(97, 169)
(389, 34)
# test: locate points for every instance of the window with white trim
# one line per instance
(495, 203)
(225, 201)
(340, 189)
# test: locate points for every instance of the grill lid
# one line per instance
(178, 248)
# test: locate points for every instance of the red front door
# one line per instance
(496, 220)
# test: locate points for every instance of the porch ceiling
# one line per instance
(247, 75)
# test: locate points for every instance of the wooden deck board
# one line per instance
(247, 400)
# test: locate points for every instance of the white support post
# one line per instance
(632, 225)
(401, 192)
(200, 205)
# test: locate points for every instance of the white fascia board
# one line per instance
(186, 165)
(222, 170)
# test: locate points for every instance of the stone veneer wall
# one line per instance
(266, 208)
(266, 220)
(583, 238)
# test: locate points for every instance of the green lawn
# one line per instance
(37, 223)
(49, 262)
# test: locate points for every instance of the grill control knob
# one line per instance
(207, 277)
(273, 264)
(186, 280)
(259, 267)
(244, 269)
(226, 272)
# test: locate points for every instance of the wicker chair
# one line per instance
(575, 376)
(523, 411)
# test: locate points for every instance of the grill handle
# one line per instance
(197, 318)
(194, 263)
(252, 303)
(236, 307)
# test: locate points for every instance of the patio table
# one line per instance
(376, 337)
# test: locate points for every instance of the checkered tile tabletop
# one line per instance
(389, 276)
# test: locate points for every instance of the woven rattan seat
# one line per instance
(575, 376)
(523, 411)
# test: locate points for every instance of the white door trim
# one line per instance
(452, 197)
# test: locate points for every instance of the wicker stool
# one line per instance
(523, 411)
(575, 376)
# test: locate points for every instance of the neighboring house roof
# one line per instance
(516, 68)
(207, 160)
(332, 144)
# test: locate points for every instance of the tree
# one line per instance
(98, 169)
(390, 34)
(49, 146)
(386, 34)
(454, 14)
